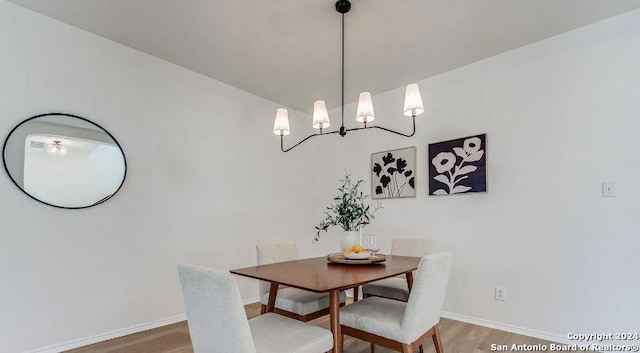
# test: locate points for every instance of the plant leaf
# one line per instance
(474, 157)
(349, 209)
(460, 152)
(442, 178)
(467, 169)
(460, 189)
(440, 192)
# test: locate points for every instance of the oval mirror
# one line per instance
(64, 160)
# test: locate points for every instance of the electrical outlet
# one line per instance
(609, 189)
(501, 293)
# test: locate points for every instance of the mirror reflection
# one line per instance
(64, 160)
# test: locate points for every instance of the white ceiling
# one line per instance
(288, 51)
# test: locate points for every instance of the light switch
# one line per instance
(608, 189)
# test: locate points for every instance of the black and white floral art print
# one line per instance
(393, 174)
(458, 166)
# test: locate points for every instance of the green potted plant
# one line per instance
(350, 210)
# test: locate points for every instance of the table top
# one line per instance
(318, 275)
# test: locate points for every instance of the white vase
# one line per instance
(349, 239)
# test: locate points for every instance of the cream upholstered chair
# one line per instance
(292, 302)
(396, 287)
(218, 323)
(403, 326)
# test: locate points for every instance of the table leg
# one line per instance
(273, 292)
(409, 280)
(356, 293)
(334, 320)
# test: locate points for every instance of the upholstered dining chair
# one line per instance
(396, 287)
(291, 302)
(218, 323)
(398, 325)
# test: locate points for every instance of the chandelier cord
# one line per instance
(342, 73)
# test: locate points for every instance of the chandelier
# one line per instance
(56, 148)
(413, 106)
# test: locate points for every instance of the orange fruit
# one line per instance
(358, 248)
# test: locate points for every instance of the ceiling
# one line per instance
(288, 51)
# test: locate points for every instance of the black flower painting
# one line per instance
(458, 166)
(393, 173)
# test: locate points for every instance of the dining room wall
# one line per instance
(206, 181)
(561, 116)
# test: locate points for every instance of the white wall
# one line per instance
(561, 116)
(206, 181)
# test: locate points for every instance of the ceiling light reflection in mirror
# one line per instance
(64, 161)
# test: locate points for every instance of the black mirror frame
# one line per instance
(6, 168)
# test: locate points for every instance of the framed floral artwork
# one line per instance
(393, 173)
(458, 166)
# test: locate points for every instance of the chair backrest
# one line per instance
(427, 296)
(272, 253)
(410, 247)
(216, 317)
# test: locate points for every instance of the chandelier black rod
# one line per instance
(342, 77)
(303, 140)
(413, 132)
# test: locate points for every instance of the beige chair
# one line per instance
(218, 323)
(396, 287)
(398, 325)
(291, 302)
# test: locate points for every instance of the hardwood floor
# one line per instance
(457, 337)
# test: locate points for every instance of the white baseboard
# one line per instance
(499, 326)
(120, 333)
(506, 327)
(182, 317)
(349, 293)
(109, 335)
(250, 300)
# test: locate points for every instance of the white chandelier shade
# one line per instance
(413, 105)
(364, 113)
(320, 115)
(281, 124)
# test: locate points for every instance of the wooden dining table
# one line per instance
(320, 276)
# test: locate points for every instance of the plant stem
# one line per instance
(455, 174)
(450, 181)
(403, 186)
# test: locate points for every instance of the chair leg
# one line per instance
(421, 349)
(263, 309)
(437, 341)
(406, 348)
(373, 347)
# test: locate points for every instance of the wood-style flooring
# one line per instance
(457, 337)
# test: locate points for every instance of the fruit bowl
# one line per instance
(356, 255)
